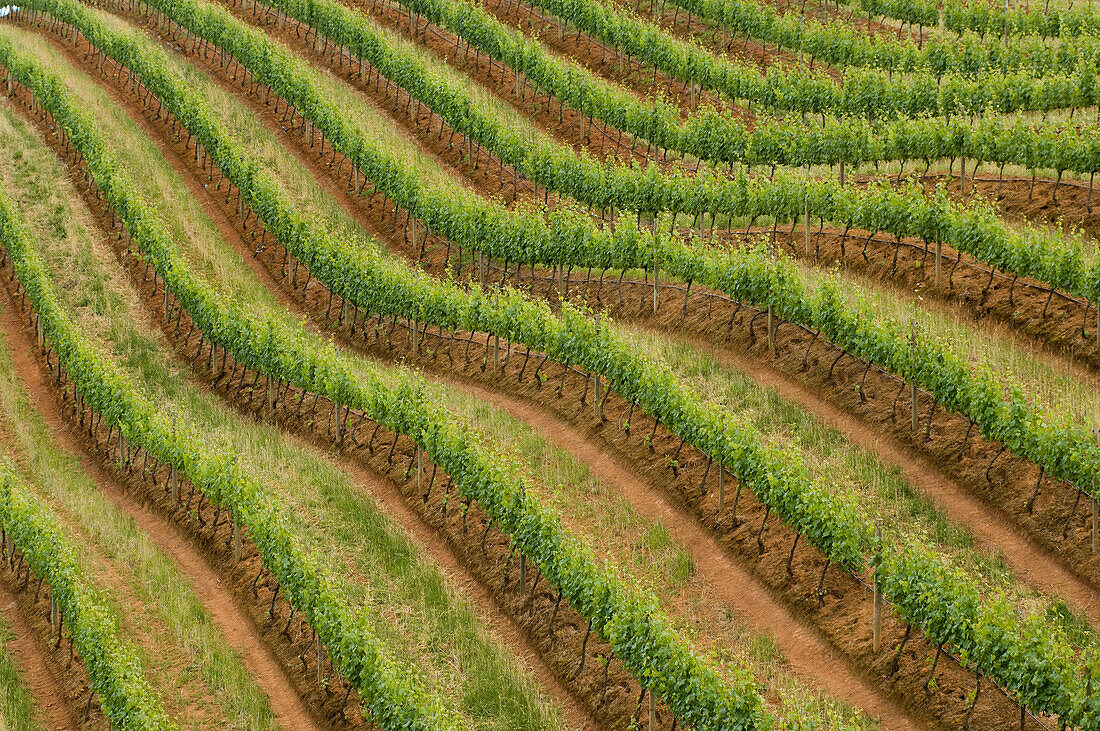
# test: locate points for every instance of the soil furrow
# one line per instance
(804, 649)
(854, 647)
(1023, 307)
(813, 660)
(606, 61)
(151, 483)
(32, 659)
(504, 628)
(721, 43)
(809, 656)
(218, 601)
(993, 529)
(488, 612)
(1056, 325)
(440, 43)
(527, 607)
(1030, 560)
(1060, 327)
(451, 159)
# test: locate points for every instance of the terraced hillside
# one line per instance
(549, 364)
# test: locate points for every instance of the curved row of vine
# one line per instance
(976, 230)
(990, 19)
(114, 669)
(638, 632)
(939, 600)
(573, 239)
(709, 134)
(865, 93)
(840, 44)
(396, 699)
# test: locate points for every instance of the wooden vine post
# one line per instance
(771, 328)
(1095, 507)
(806, 211)
(419, 466)
(236, 539)
(721, 487)
(652, 712)
(842, 174)
(939, 260)
(876, 620)
(962, 176)
(522, 555)
(914, 416)
(1095, 522)
(174, 478)
(771, 313)
(173, 473)
(656, 282)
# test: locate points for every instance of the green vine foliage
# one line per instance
(991, 19)
(395, 698)
(363, 279)
(558, 167)
(638, 632)
(571, 239)
(116, 672)
(1052, 684)
(976, 230)
(865, 93)
(837, 42)
(721, 137)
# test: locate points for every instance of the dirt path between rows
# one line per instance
(31, 661)
(535, 24)
(501, 626)
(992, 530)
(1040, 338)
(812, 659)
(321, 175)
(239, 632)
(1029, 560)
(1020, 328)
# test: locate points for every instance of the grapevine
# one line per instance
(1053, 686)
(116, 673)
